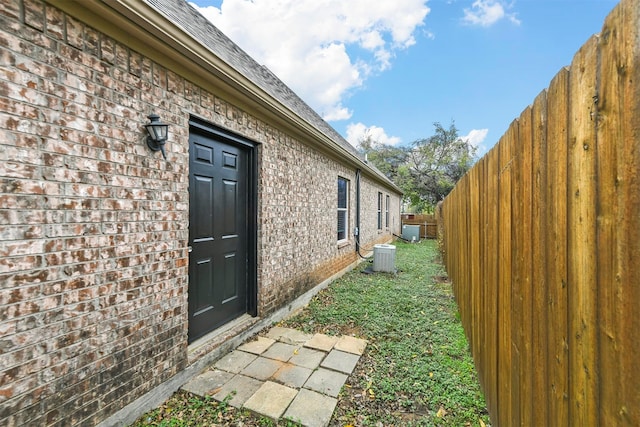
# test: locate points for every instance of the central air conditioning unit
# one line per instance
(384, 258)
(411, 232)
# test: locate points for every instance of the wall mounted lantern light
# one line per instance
(158, 132)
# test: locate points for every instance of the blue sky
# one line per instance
(391, 68)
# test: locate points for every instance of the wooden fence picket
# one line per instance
(556, 247)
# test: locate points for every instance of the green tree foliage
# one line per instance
(388, 159)
(426, 170)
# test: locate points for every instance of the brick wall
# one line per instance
(94, 227)
(94, 268)
(369, 215)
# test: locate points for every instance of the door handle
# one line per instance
(189, 249)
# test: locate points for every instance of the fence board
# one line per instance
(474, 262)
(618, 216)
(465, 292)
(522, 255)
(483, 313)
(491, 268)
(538, 368)
(504, 278)
(607, 204)
(581, 238)
(515, 303)
(557, 339)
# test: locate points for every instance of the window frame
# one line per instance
(343, 235)
(386, 212)
(379, 210)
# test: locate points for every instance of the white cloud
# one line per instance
(485, 13)
(429, 34)
(356, 132)
(476, 137)
(306, 43)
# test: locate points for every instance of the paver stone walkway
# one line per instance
(284, 374)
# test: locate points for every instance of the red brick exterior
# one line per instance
(94, 226)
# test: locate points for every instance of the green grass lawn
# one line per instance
(416, 370)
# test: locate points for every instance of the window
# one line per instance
(386, 212)
(379, 211)
(343, 211)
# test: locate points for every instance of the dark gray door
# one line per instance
(218, 233)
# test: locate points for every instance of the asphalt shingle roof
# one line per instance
(202, 30)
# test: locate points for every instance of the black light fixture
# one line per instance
(158, 132)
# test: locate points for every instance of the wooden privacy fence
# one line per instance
(541, 240)
(427, 223)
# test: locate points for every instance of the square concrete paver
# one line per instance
(207, 382)
(311, 409)
(235, 361)
(322, 342)
(281, 351)
(242, 387)
(326, 382)
(351, 345)
(292, 375)
(271, 400)
(262, 368)
(288, 335)
(340, 361)
(257, 346)
(307, 358)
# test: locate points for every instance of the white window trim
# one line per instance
(346, 213)
(379, 211)
(386, 211)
